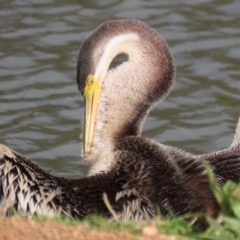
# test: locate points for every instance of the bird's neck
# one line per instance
(121, 112)
(128, 93)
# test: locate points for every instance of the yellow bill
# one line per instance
(91, 95)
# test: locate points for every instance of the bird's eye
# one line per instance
(90, 79)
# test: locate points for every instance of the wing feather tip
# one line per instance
(5, 151)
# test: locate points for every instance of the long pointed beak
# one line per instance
(91, 95)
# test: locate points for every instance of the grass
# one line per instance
(226, 226)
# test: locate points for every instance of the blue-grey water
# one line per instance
(41, 108)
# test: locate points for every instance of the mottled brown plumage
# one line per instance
(136, 186)
(226, 162)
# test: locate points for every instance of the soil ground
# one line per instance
(19, 229)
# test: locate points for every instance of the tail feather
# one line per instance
(236, 139)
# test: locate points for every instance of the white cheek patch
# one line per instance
(111, 49)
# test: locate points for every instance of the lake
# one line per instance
(41, 109)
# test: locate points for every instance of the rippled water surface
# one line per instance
(41, 108)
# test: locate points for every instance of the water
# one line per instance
(41, 108)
